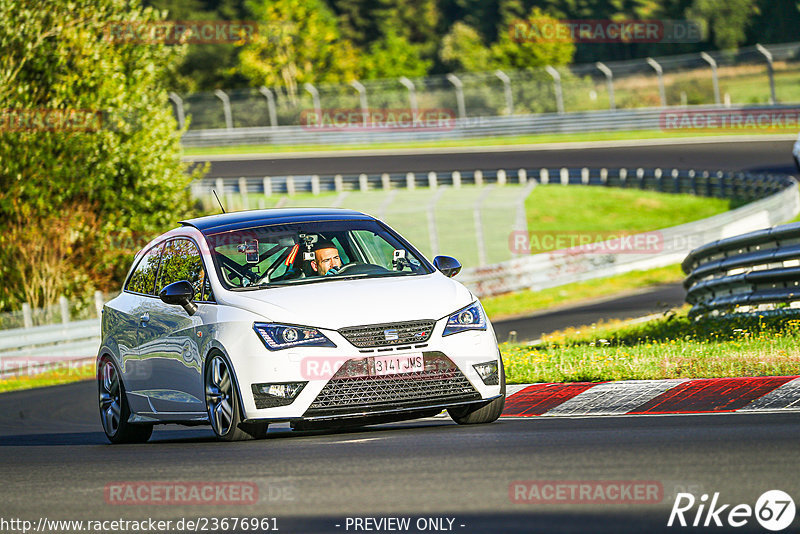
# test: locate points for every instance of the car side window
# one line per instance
(143, 279)
(181, 261)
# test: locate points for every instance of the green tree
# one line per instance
(366, 22)
(300, 43)
(205, 66)
(777, 22)
(726, 20)
(483, 15)
(520, 50)
(84, 193)
(392, 57)
(463, 50)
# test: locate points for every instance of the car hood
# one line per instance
(341, 303)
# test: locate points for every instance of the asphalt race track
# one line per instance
(770, 156)
(56, 464)
(638, 304)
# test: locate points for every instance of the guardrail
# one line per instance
(723, 184)
(756, 271)
(544, 123)
(34, 349)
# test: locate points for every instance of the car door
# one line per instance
(168, 341)
(139, 293)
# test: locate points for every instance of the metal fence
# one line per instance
(482, 127)
(746, 77)
(65, 312)
(752, 272)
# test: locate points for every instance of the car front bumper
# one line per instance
(334, 389)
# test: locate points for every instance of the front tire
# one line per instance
(482, 413)
(223, 406)
(114, 409)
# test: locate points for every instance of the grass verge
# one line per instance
(522, 303)
(61, 373)
(555, 211)
(672, 346)
(476, 142)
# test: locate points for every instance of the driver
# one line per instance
(326, 258)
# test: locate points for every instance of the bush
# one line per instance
(70, 193)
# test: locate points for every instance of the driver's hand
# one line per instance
(332, 271)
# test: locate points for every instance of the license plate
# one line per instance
(399, 364)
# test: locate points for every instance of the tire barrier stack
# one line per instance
(753, 272)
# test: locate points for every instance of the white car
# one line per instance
(318, 317)
(796, 153)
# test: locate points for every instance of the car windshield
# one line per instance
(311, 252)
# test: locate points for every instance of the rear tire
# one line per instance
(482, 413)
(114, 409)
(223, 406)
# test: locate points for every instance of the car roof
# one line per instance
(225, 222)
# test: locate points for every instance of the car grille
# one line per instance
(440, 383)
(389, 334)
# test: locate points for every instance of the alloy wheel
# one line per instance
(219, 396)
(110, 405)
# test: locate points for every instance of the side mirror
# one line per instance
(449, 266)
(181, 294)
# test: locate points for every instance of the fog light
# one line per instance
(488, 373)
(272, 395)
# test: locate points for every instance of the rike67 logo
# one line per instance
(774, 510)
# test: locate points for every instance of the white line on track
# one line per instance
(356, 440)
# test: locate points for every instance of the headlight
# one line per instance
(281, 336)
(469, 318)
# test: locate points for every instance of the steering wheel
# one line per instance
(361, 268)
